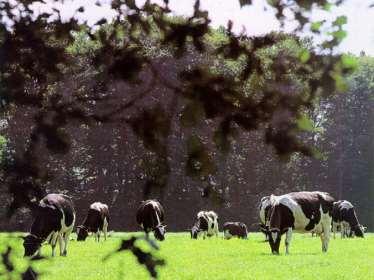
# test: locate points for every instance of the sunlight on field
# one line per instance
(213, 258)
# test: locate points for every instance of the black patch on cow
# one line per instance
(94, 220)
(267, 211)
(281, 218)
(203, 223)
(147, 216)
(236, 229)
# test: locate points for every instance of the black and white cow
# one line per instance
(235, 229)
(302, 212)
(54, 221)
(97, 220)
(150, 216)
(264, 208)
(206, 223)
(344, 215)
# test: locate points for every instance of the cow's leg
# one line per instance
(325, 235)
(288, 239)
(65, 242)
(105, 228)
(53, 242)
(98, 235)
(343, 230)
(61, 243)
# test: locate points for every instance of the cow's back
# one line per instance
(52, 211)
(145, 215)
(101, 209)
(308, 209)
(64, 204)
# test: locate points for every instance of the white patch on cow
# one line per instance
(98, 206)
(158, 218)
(212, 219)
(63, 234)
(288, 239)
(264, 203)
(105, 228)
(274, 236)
(201, 214)
(227, 234)
(346, 204)
(335, 228)
(345, 229)
(155, 206)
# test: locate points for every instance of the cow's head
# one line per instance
(264, 228)
(194, 232)
(244, 230)
(82, 233)
(160, 231)
(31, 243)
(274, 240)
(358, 230)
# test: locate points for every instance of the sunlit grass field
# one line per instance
(213, 258)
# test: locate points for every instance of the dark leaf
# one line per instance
(245, 2)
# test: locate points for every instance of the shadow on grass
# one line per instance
(291, 254)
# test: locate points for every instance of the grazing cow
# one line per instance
(54, 220)
(150, 216)
(206, 223)
(97, 220)
(303, 212)
(238, 229)
(343, 214)
(264, 208)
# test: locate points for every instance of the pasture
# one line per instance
(213, 258)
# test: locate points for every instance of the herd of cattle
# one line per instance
(315, 212)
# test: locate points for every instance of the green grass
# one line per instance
(213, 258)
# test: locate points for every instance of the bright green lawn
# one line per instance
(213, 258)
